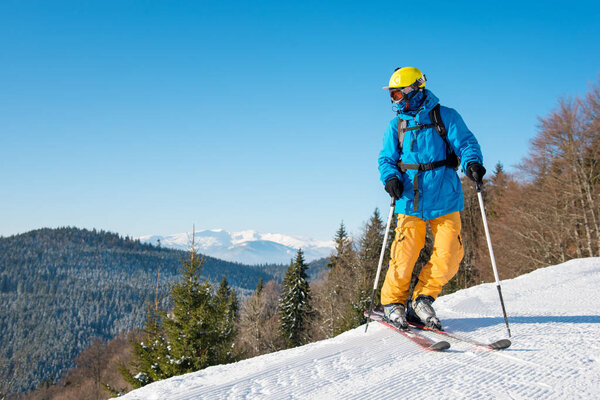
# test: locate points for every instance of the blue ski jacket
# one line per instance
(440, 190)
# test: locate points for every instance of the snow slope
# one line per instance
(248, 247)
(555, 320)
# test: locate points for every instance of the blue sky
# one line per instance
(145, 117)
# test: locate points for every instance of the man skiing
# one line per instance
(422, 148)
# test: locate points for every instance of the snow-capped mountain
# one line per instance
(248, 247)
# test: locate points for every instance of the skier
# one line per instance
(422, 148)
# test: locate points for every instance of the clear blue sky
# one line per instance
(145, 117)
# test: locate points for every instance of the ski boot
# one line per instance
(396, 314)
(421, 312)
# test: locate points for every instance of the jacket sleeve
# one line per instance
(462, 139)
(389, 155)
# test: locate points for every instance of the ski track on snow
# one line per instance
(555, 353)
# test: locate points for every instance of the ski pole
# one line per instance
(489, 242)
(383, 247)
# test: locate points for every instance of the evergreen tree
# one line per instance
(294, 303)
(226, 307)
(148, 352)
(495, 189)
(191, 327)
(259, 287)
(343, 246)
(197, 333)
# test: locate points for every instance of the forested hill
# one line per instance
(61, 287)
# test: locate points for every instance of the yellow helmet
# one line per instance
(407, 76)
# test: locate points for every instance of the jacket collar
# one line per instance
(431, 101)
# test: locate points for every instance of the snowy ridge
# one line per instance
(555, 321)
(248, 247)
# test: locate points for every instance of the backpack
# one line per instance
(451, 161)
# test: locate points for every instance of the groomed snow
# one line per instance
(555, 322)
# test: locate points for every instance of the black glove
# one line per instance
(394, 187)
(475, 172)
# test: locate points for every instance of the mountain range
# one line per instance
(248, 247)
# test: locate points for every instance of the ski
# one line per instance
(497, 345)
(421, 340)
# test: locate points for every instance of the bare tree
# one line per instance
(258, 324)
(563, 193)
(552, 213)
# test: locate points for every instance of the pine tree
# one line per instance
(495, 188)
(343, 246)
(294, 303)
(197, 333)
(192, 325)
(147, 353)
(259, 287)
(226, 307)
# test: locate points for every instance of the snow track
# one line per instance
(554, 316)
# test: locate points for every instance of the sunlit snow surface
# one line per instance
(554, 316)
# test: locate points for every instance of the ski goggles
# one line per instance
(398, 94)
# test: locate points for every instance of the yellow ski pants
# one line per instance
(447, 253)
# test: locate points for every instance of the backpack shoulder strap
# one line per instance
(436, 118)
(402, 123)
